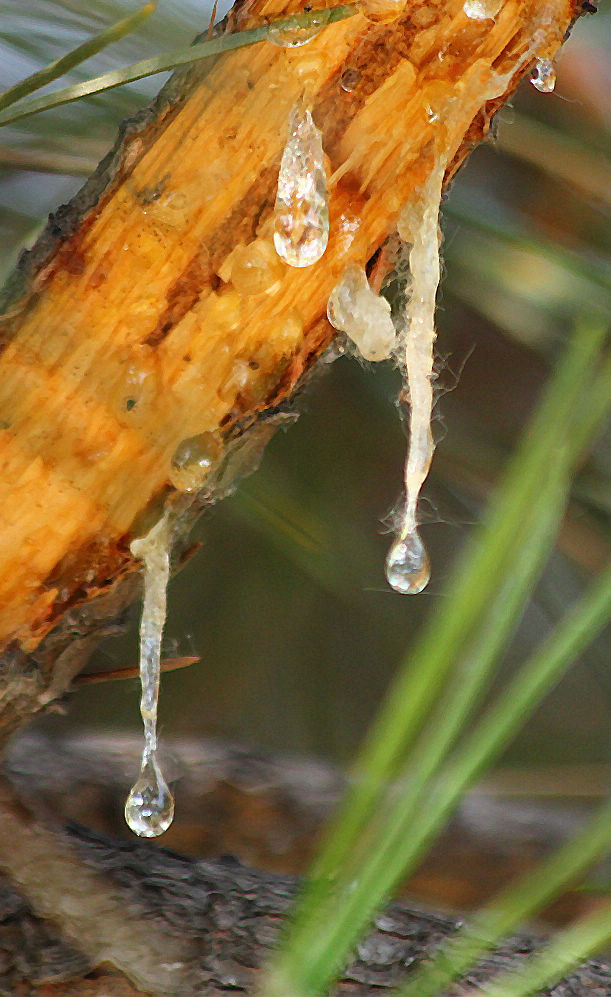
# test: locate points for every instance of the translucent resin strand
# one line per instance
(149, 809)
(301, 223)
(407, 564)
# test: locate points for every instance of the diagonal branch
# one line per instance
(132, 325)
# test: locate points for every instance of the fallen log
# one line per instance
(85, 916)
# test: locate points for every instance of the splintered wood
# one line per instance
(149, 325)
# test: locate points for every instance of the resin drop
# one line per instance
(362, 314)
(382, 11)
(193, 461)
(407, 566)
(150, 808)
(544, 78)
(349, 80)
(481, 10)
(256, 269)
(292, 37)
(301, 223)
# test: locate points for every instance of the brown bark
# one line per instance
(269, 811)
(130, 329)
(83, 915)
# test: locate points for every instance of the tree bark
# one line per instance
(128, 328)
(88, 916)
(269, 811)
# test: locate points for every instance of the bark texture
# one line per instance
(104, 917)
(131, 326)
(269, 812)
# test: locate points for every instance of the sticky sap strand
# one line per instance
(301, 222)
(407, 566)
(149, 809)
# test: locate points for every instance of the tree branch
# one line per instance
(129, 327)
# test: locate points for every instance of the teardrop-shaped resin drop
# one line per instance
(408, 569)
(544, 78)
(301, 224)
(149, 808)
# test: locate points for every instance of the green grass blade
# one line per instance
(497, 919)
(569, 948)
(181, 57)
(308, 958)
(67, 62)
(472, 586)
(311, 969)
(472, 674)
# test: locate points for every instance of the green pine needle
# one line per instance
(380, 836)
(514, 905)
(182, 57)
(67, 62)
(587, 936)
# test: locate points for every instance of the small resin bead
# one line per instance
(544, 78)
(362, 314)
(193, 460)
(408, 568)
(256, 269)
(149, 809)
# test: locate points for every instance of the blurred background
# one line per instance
(286, 602)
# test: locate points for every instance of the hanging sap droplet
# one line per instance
(544, 78)
(293, 37)
(407, 565)
(362, 314)
(382, 11)
(481, 10)
(149, 808)
(193, 461)
(349, 79)
(302, 211)
(408, 568)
